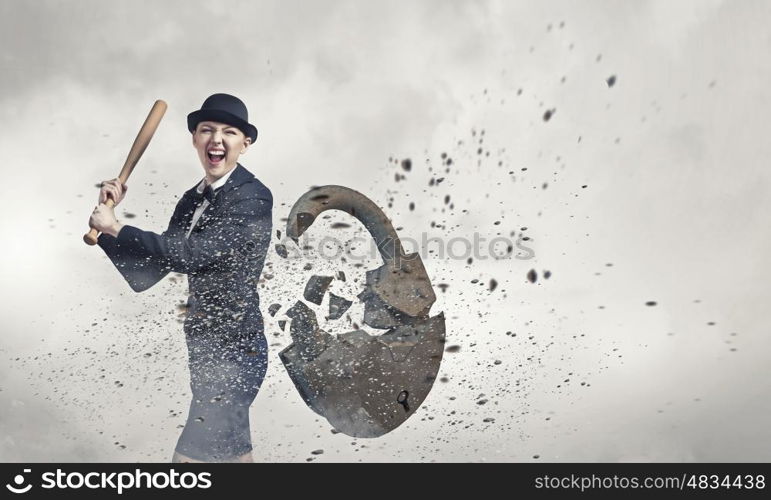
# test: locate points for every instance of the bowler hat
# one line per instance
(223, 108)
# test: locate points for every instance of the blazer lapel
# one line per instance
(189, 202)
(207, 214)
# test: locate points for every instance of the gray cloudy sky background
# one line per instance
(674, 157)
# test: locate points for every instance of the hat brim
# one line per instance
(217, 115)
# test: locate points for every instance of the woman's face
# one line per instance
(219, 145)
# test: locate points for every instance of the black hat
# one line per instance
(223, 108)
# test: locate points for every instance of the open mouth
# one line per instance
(215, 156)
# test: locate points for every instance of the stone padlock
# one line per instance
(366, 385)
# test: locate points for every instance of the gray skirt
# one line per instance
(225, 378)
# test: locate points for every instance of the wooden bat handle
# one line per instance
(135, 153)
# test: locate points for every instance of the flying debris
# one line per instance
(338, 306)
(281, 251)
(316, 288)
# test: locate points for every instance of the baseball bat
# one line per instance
(139, 146)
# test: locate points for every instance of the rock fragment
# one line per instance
(316, 288)
(338, 306)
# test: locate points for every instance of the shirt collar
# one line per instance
(216, 184)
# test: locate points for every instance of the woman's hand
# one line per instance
(103, 220)
(113, 189)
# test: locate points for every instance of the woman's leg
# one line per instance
(179, 458)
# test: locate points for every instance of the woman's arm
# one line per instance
(246, 224)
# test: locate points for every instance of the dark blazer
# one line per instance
(223, 256)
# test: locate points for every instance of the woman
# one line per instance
(218, 235)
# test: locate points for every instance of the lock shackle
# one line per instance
(320, 199)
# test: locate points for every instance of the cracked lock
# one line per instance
(367, 385)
